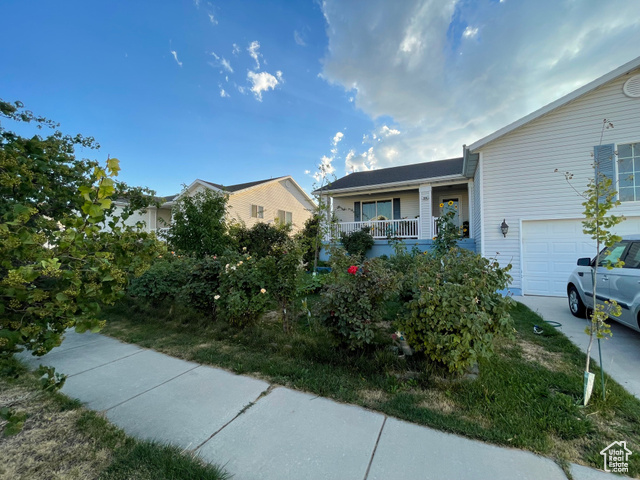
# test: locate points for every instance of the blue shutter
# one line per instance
(356, 211)
(604, 158)
(396, 209)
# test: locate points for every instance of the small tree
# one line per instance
(198, 227)
(600, 198)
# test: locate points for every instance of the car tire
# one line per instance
(576, 306)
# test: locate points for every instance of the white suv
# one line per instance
(619, 284)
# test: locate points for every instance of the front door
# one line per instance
(451, 204)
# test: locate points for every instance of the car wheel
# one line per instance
(575, 303)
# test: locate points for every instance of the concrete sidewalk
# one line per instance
(259, 431)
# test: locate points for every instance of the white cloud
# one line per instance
(262, 82)
(212, 19)
(196, 3)
(402, 60)
(223, 93)
(254, 53)
(297, 37)
(221, 62)
(337, 138)
(236, 49)
(175, 57)
(388, 132)
(307, 172)
(470, 32)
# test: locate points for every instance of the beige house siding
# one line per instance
(272, 196)
(517, 175)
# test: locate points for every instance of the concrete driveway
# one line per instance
(620, 353)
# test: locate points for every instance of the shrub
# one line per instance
(261, 239)
(309, 239)
(457, 311)
(358, 242)
(163, 280)
(353, 300)
(448, 234)
(282, 271)
(242, 293)
(198, 225)
(203, 284)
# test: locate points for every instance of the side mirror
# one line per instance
(584, 262)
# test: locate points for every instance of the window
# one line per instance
(257, 211)
(375, 210)
(629, 172)
(610, 256)
(632, 260)
(285, 217)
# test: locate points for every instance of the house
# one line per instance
(514, 175)
(401, 202)
(513, 178)
(273, 200)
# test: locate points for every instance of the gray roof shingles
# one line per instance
(440, 168)
(239, 186)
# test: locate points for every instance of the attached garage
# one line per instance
(550, 249)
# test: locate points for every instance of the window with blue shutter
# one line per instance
(604, 163)
(356, 211)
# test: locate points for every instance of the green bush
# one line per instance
(198, 227)
(456, 311)
(242, 291)
(358, 242)
(261, 239)
(353, 299)
(309, 239)
(163, 280)
(448, 234)
(282, 270)
(201, 289)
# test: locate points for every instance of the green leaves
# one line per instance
(456, 309)
(57, 265)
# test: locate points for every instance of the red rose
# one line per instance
(353, 270)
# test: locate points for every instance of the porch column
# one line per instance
(424, 227)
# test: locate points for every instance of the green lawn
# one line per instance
(527, 396)
(61, 439)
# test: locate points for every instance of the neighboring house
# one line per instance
(401, 202)
(515, 175)
(273, 200)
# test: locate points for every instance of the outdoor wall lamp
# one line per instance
(504, 228)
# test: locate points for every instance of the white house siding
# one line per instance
(518, 178)
(409, 203)
(143, 216)
(273, 196)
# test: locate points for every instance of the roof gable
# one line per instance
(589, 87)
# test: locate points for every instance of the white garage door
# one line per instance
(550, 249)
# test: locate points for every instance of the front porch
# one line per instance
(407, 214)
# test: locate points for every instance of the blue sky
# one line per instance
(233, 92)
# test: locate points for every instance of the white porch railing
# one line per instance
(161, 233)
(405, 228)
